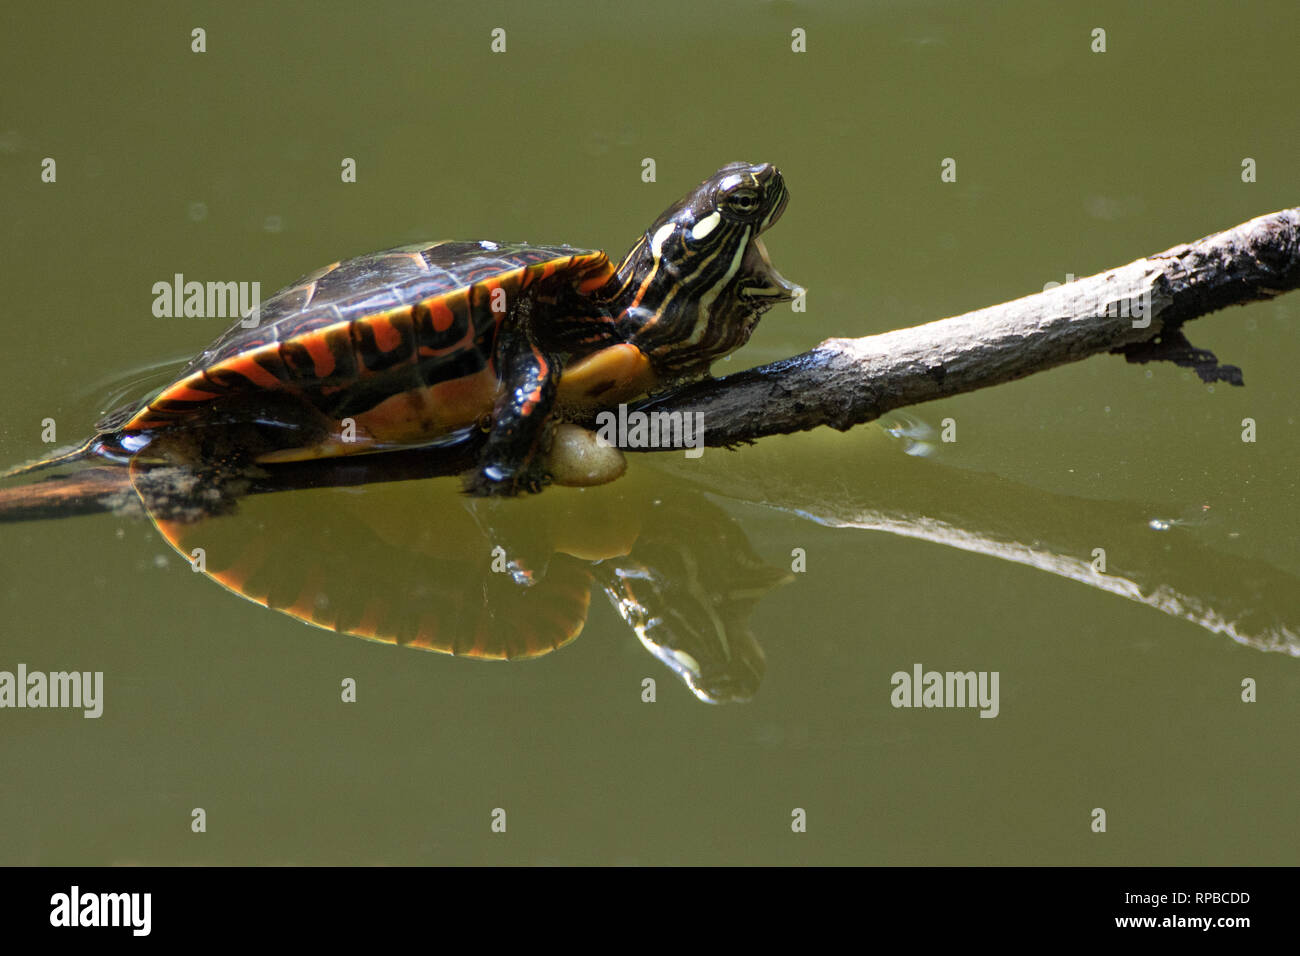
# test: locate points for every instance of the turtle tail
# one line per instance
(90, 448)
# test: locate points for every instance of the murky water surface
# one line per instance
(800, 574)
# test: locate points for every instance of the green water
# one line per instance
(226, 165)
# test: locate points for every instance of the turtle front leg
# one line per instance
(514, 458)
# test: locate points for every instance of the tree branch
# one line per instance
(1137, 310)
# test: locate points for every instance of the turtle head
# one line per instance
(694, 286)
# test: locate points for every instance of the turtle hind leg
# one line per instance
(245, 429)
(514, 457)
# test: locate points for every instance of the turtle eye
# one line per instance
(741, 202)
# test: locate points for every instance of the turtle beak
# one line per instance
(763, 281)
(769, 177)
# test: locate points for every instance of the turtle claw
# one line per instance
(493, 481)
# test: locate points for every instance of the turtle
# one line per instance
(425, 344)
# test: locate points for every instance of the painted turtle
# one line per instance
(425, 343)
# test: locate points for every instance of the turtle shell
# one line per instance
(399, 343)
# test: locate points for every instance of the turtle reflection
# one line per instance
(419, 565)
